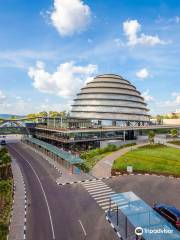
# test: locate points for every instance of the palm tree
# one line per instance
(151, 136)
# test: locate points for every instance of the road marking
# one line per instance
(95, 186)
(98, 190)
(49, 212)
(101, 197)
(102, 194)
(85, 234)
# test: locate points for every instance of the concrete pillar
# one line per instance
(124, 135)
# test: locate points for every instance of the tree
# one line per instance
(3, 151)
(43, 114)
(6, 162)
(54, 114)
(159, 119)
(31, 115)
(174, 132)
(151, 136)
(4, 186)
(12, 117)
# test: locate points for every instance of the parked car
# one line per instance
(3, 142)
(171, 213)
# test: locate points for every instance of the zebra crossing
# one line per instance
(100, 192)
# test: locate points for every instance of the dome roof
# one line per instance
(110, 97)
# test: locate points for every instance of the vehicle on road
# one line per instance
(171, 213)
(3, 142)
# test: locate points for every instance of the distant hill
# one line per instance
(6, 116)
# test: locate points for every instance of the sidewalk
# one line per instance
(103, 167)
(172, 145)
(64, 175)
(18, 220)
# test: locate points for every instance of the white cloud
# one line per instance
(4, 104)
(175, 102)
(65, 81)
(131, 29)
(174, 94)
(146, 95)
(70, 16)
(21, 58)
(119, 42)
(2, 97)
(142, 73)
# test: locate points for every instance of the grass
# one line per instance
(177, 142)
(5, 209)
(158, 159)
(93, 156)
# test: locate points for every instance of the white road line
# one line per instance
(85, 234)
(101, 194)
(99, 189)
(102, 197)
(94, 184)
(107, 204)
(94, 187)
(42, 191)
(103, 200)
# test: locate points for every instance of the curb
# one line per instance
(13, 187)
(118, 234)
(147, 174)
(123, 174)
(25, 204)
(25, 210)
(88, 180)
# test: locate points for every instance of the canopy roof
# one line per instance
(142, 215)
(72, 159)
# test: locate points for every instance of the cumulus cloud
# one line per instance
(146, 95)
(131, 29)
(142, 73)
(65, 81)
(70, 16)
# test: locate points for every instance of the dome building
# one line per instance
(111, 100)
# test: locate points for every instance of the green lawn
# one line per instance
(93, 156)
(152, 158)
(175, 142)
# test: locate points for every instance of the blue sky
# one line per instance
(50, 48)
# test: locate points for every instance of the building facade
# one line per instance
(110, 100)
(107, 108)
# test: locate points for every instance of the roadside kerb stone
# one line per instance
(17, 229)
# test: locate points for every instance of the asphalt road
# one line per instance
(151, 189)
(58, 212)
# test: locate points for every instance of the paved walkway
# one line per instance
(103, 167)
(172, 145)
(18, 220)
